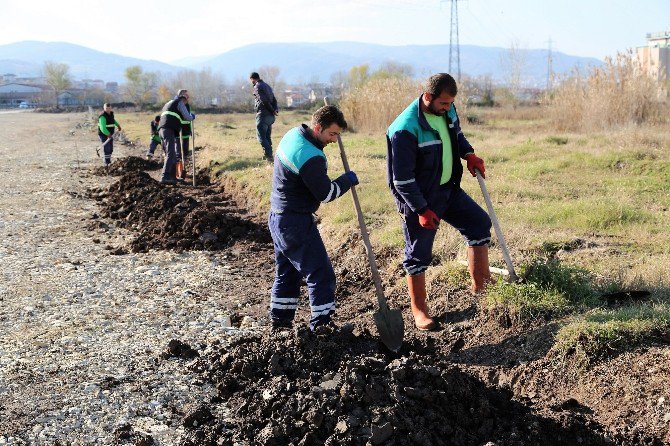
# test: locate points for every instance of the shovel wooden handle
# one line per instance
(193, 153)
(381, 300)
(496, 226)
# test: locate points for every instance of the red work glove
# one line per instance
(475, 162)
(429, 220)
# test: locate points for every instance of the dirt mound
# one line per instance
(164, 218)
(338, 388)
(129, 164)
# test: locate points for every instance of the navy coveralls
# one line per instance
(414, 164)
(300, 183)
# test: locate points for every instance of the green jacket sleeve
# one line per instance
(102, 126)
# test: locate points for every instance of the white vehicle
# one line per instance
(24, 104)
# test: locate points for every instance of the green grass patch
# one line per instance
(557, 140)
(599, 334)
(548, 289)
(590, 214)
(236, 163)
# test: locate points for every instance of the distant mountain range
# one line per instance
(297, 62)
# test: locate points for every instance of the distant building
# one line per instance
(90, 84)
(8, 78)
(112, 87)
(655, 57)
(295, 98)
(11, 95)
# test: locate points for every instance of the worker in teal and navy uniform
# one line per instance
(106, 126)
(300, 183)
(425, 146)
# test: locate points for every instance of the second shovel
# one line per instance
(390, 325)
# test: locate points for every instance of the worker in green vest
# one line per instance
(106, 126)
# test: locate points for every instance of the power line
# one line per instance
(454, 46)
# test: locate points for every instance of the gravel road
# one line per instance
(81, 330)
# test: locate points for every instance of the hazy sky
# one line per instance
(169, 30)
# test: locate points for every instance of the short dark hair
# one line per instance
(181, 92)
(157, 118)
(440, 83)
(328, 115)
(254, 75)
(106, 104)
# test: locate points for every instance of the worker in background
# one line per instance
(169, 126)
(265, 105)
(155, 137)
(106, 126)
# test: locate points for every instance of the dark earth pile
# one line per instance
(337, 388)
(169, 217)
(128, 164)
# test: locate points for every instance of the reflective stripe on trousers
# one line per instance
(300, 252)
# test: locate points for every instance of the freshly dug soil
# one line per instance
(339, 388)
(128, 164)
(167, 218)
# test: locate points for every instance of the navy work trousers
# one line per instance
(107, 149)
(455, 207)
(300, 253)
(170, 146)
(152, 147)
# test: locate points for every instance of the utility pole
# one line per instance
(550, 73)
(454, 46)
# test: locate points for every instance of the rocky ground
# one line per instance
(135, 313)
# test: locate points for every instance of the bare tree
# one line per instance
(358, 76)
(514, 66)
(394, 68)
(57, 76)
(204, 87)
(140, 87)
(269, 74)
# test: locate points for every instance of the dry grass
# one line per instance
(617, 94)
(371, 107)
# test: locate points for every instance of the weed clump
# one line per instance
(549, 289)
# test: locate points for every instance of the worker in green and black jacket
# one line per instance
(172, 115)
(106, 126)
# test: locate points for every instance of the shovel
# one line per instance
(390, 325)
(99, 148)
(501, 239)
(193, 152)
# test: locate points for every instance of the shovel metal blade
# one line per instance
(390, 327)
